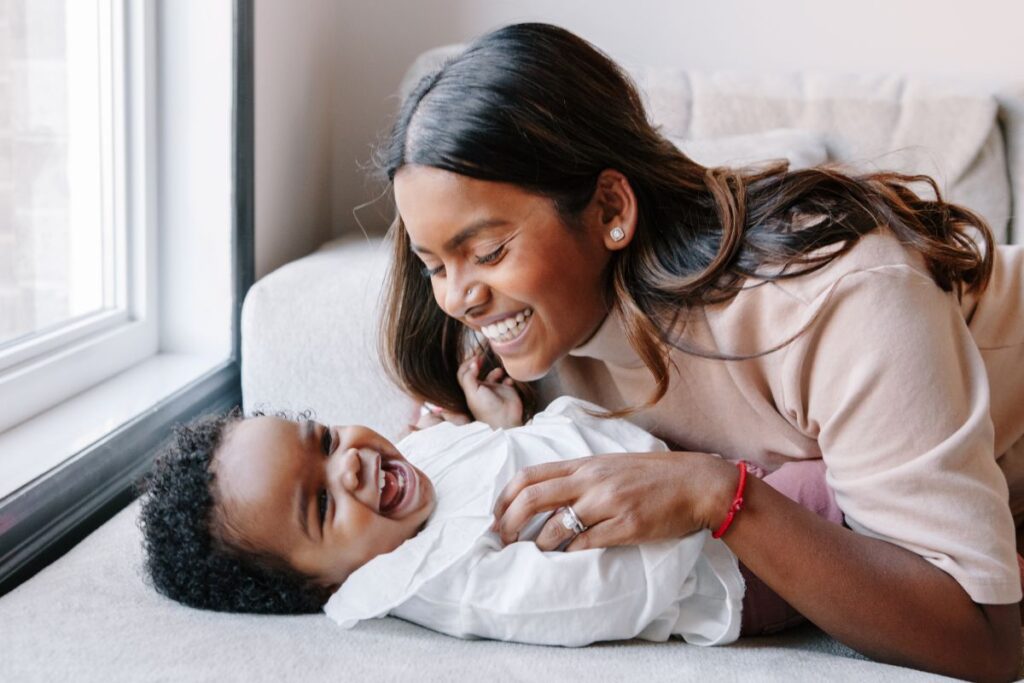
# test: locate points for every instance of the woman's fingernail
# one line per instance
(436, 410)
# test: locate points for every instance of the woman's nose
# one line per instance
(461, 296)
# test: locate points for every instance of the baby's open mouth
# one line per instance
(394, 481)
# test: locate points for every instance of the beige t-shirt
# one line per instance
(887, 384)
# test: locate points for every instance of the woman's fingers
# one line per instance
(626, 499)
(527, 476)
(533, 490)
(494, 376)
(555, 533)
(534, 499)
(605, 534)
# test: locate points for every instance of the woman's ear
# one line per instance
(615, 208)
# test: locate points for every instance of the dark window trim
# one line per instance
(45, 518)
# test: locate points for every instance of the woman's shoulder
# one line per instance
(878, 252)
(767, 313)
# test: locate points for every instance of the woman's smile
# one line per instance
(508, 328)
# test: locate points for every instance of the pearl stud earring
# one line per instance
(618, 234)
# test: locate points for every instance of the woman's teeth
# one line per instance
(509, 328)
(381, 480)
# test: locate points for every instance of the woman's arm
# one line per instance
(878, 598)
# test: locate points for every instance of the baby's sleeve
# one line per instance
(890, 382)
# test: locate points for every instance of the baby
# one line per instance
(273, 515)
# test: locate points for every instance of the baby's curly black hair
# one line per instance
(188, 557)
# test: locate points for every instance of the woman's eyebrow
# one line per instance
(466, 234)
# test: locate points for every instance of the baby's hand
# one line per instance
(494, 399)
(429, 415)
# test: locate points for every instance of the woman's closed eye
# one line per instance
(486, 259)
(431, 272)
(491, 257)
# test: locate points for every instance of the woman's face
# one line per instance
(501, 261)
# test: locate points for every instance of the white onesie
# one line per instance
(456, 578)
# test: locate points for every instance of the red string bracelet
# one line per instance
(737, 501)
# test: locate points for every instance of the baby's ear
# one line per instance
(325, 591)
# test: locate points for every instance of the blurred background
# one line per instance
(326, 72)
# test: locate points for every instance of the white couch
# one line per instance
(308, 343)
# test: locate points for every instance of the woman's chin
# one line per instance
(525, 369)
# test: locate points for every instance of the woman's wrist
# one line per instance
(721, 486)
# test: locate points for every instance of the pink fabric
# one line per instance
(803, 481)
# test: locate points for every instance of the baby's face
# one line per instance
(327, 500)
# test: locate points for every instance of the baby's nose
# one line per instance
(351, 466)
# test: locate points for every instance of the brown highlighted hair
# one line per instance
(536, 106)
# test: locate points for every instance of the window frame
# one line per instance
(43, 520)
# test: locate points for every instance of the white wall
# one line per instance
(296, 66)
(327, 71)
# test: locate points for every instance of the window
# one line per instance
(76, 296)
(128, 311)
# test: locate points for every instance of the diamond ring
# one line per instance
(571, 521)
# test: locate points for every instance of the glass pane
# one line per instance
(55, 242)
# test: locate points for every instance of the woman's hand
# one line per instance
(623, 498)
(493, 399)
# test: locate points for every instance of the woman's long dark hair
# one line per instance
(536, 106)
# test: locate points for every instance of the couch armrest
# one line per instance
(309, 333)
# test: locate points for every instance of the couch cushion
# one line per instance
(801, 148)
(309, 340)
(912, 125)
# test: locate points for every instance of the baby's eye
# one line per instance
(326, 441)
(322, 505)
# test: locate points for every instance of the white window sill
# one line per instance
(34, 447)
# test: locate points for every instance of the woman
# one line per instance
(762, 314)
